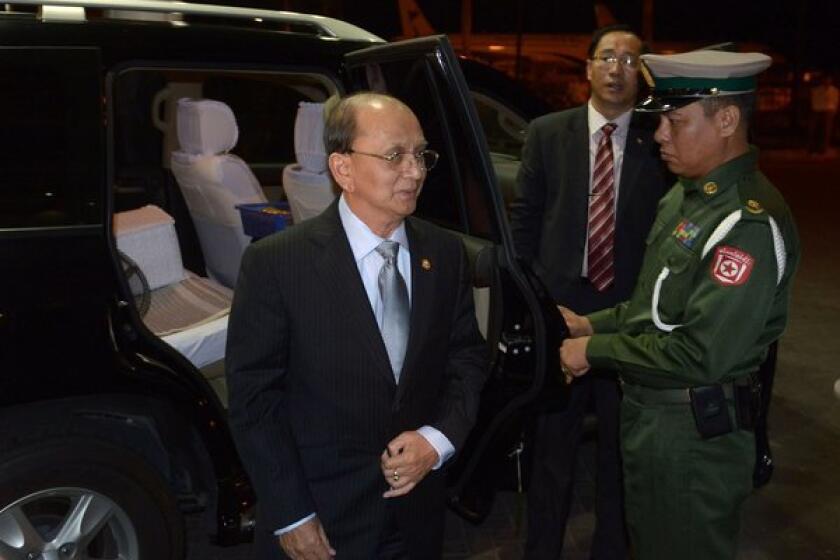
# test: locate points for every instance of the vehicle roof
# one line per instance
(180, 13)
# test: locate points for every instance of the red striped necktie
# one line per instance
(602, 214)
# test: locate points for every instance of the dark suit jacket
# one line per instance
(313, 401)
(549, 216)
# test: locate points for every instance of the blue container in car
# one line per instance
(264, 218)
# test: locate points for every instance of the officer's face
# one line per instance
(614, 84)
(691, 142)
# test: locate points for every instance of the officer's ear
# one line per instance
(728, 118)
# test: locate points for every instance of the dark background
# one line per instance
(803, 31)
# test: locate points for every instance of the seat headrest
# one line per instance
(206, 126)
(309, 137)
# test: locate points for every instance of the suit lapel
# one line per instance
(337, 268)
(422, 293)
(634, 153)
(577, 162)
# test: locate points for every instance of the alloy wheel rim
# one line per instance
(66, 523)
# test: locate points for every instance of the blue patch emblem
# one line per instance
(686, 233)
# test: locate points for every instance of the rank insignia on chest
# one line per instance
(731, 266)
(686, 233)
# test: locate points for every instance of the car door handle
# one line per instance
(515, 343)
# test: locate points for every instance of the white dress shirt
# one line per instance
(363, 244)
(619, 141)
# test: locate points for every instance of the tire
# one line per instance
(123, 506)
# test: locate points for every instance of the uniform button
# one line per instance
(754, 207)
(710, 188)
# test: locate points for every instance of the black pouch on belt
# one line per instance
(711, 414)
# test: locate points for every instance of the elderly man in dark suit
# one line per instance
(588, 189)
(354, 360)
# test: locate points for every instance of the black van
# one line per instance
(112, 409)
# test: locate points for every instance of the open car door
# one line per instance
(518, 319)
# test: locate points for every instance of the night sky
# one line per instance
(803, 31)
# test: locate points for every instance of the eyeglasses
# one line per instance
(425, 159)
(626, 60)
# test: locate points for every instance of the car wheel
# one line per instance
(79, 498)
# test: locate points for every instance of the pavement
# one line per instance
(798, 514)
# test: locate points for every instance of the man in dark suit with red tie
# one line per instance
(354, 361)
(588, 189)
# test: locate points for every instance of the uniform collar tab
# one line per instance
(723, 176)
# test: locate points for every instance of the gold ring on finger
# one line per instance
(396, 476)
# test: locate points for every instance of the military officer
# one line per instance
(712, 295)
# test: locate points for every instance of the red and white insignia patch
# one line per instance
(731, 266)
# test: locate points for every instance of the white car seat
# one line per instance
(213, 182)
(307, 183)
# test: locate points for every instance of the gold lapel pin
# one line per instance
(426, 264)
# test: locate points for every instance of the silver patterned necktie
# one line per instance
(395, 308)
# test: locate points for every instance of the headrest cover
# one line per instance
(309, 137)
(206, 126)
(680, 79)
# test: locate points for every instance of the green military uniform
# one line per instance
(712, 295)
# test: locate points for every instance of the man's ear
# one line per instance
(728, 119)
(341, 168)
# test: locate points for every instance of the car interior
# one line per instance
(190, 146)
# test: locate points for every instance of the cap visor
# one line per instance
(655, 104)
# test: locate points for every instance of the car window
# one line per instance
(411, 82)
(504, 128)
(265, 105)
(505, 131)
(51, 143)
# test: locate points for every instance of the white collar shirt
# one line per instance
(363, 244)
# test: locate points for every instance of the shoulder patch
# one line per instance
(731, 266)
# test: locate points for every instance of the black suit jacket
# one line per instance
(549, 215)
(313, 401)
